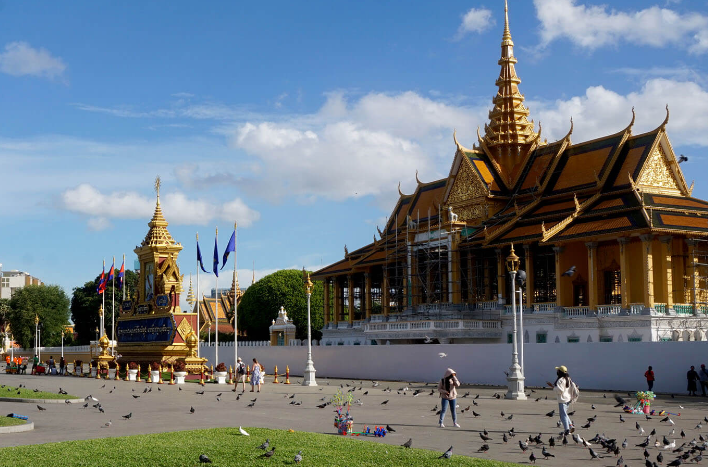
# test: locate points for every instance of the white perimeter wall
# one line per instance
(604, 366)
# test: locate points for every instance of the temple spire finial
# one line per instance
(507, 32)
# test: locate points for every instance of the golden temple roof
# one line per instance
(158, 234)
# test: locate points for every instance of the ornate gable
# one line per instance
(468, 193)
(656, 175)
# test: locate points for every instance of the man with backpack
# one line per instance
(567, 392)
(240, 375)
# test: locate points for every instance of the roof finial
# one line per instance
(666, 120)
(157, 188)
(507, 32)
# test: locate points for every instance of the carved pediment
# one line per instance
(656, 175)
(467, 186)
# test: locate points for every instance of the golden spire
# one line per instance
(253, 281)
(158, 234)
(190, 295)
(509, 135)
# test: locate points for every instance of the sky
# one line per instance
(297, 120)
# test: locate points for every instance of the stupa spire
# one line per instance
(158, 234)
(509, 134)
(190, 295)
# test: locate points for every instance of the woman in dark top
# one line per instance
(692, 377)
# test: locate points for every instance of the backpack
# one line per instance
(574, 391)
(240, 369)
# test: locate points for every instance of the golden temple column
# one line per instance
(667, 263)
(385, 302)
(624, 271)
(367, 297)
(691, 269)
(326, 301)
(592, 274)
(501, 277)
(648, 270)
(350, 286)
(337, 300)
(529, 276)
(560, 290)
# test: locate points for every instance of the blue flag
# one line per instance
(199, 259)
(229, 248)
(216, 259)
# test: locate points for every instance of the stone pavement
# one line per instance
(412, 417)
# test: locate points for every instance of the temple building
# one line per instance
(208, 310)
(614, 246)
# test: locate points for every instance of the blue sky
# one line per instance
(298, 119)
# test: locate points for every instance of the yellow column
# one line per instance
(384, 292)
(326, 301)
(529, 276)
(337, 300)
(624, 271)
(691, 269)
(666, 253)
(592, 274)
(501, 276)
(560, 290)
(648, 270)
(367, 288)
(350, 286)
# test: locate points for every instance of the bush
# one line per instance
(133, 366)
(155, 366)
(220, 367)
(179, 365)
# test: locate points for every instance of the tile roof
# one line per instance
(630, 160)
(673, 220)
(677, 202)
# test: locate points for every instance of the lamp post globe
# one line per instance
(309, 373)
(515, 380)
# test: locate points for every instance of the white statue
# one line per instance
(451, 215)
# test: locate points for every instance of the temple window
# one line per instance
(573, 339)
(541, 337)
(634, 339)
(358, 295)
(376, 305)
(544, 275)
(605, 338)
(613, 287)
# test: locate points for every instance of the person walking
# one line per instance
(62, 365)
(256, 376)
(240, 375)
(703, 374)
(649, 375)
(447, 387)
(35, 361)
(566, 392)
(692, 377)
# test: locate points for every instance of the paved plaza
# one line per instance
(412, 417)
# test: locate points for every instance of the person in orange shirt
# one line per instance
(649, 375)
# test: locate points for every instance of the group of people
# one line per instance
(257, 373)
(565, 389)
(50, 366)
(692, 376)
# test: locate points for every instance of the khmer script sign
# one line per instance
(146, 330)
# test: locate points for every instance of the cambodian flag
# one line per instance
(101, 282)
(110, 273)
(121, 275)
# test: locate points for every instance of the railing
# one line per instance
(609, 309)
(703, 309)
(507, 310)
(683, 308)
(660, 308)
(343, 325)
(378, 318)
(240, 344)
(545, 307)
(488, 305)
(636, 308)
(431, 325)
(576, 311)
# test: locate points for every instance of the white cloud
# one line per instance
(601, 111)
(475, 20)
(98, 223)
(177, 207)
(20, 58)
(592, 27)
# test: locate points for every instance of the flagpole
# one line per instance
(113, 310)
(216, 315)
(103, 297)
(235, 304)
(198, 302)
(123, 278)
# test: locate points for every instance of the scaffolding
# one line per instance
(696, 284)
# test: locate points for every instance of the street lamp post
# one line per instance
(62, 343)
(36, 333)
(515, 380)
(309, 375)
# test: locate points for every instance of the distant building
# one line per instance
(13, 280)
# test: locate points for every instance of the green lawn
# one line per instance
(226, 447)
(28, 393)
(9, 421)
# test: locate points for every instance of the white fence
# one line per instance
(605, 366)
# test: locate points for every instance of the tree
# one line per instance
(85, 303)
(260, 304)
(49, 303)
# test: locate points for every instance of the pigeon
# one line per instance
(127, 417)
(265, 445)
(268, 454)
(204, 459)
(532, 458)
(475, 414)
(199, 392)
(484, 437)
(620, 461)
(408, 443)
(675, 463)
(620, 401)
(298, 457)
(483, 448)
(682, 159)
(191, 410)
(108, 423)
(84, 406)
(145, 390)
(443, 355)
(565, 440)
(593, 454)
(40, 407)
(551, 441)
(569, 272)
(251, 404)
(385, 402)
(551, 413)
(621, 419)
(390, 429)
(135, 397)
(523, 446)
(243, 432)
(592, 406)
(427, 340)
(447, 454)
(660, 458)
